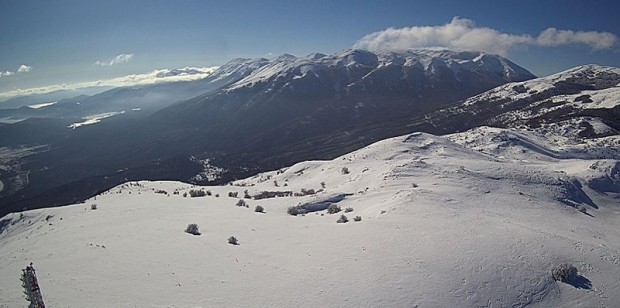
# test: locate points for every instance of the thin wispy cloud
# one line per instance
(120, 59)
(24, 68)
(592, 39)
(153, 77)
(461, 33)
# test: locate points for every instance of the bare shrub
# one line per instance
(344, 170)
(93, 206)
(333, 209)
(233, 194)
(348, 210)
(294, 210)
(564, 272)
(192, 229)
(342, 219)
(357, 218)
(259, 209)
(242, 203)
(197, 193)
(233, 240)
(582, 209)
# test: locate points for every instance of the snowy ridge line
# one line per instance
(466, 214)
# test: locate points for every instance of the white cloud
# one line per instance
(120, 59)
(156, 76)
(24, 68)
(463, 34)
(6, 73)
(595, 40)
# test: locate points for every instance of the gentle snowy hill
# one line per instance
(475, 219)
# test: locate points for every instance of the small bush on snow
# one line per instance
(357, 218)
(564, 272)
(344, 170)
(294, 210)
(333, 209)
(342, 219)
(242, 203)
(192, 229)
(233, 240)
(582, 209)
(348, 210)
(259, 209)
(93, 206)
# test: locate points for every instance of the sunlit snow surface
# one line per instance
(475, 219)
(94, 119)
(42, 105)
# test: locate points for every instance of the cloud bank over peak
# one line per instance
(463, 34)
(120, 59)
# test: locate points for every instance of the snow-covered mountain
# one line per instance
(473, 219)
(288, 99)
(589, 95)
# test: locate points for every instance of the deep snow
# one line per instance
(476, 219)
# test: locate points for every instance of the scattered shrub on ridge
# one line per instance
(242, 203)
(192, 229)
(564, 272)
(342, 219)
(333, 209)
(294, 210)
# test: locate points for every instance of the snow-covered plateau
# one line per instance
(475, 219)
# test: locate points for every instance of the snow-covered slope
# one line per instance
(476, 219)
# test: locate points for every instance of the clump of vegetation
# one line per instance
(357, 218)
(192, 229)
(323, 185)
(217, 195)
(161, 191)
(184, 195)
(348, 210)
(197, 193)
(582, 209)
(342, 219)
(333, 209)
(242, 203)
(233, 240)
(209, 193)
(233, 194)
(259, 209)
(305, 192)
(246, 194)
(564, 272)
(344, 170)
(93, 206)
(294, 210)
(272, 194)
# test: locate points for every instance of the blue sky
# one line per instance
(47, 43)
